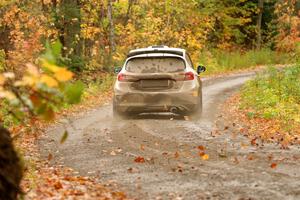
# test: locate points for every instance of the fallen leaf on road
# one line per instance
(130, 170)
(201, 154)
(113, 153)
(250, 157)
(222, 153)
(64, 137)
(150, 160)
(270, 157)
(243, 145)
(205, 157)
(273, 165)
(253, 142)
(119, 150)
(201, 148)
(142, 147)
(235, 160)
(50, 157)
(139, 159)
(58, 185)
(176, 155)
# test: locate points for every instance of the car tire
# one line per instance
(116, 113)
(197, 112)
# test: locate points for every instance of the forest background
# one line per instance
(96, 35)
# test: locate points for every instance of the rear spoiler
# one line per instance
(135, 53)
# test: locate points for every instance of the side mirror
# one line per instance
(201, 69)
(117, 70)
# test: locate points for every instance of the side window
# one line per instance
(188, 59)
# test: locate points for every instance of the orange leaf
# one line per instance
(273, 165)
(253, 142)
(176, 155)
(58, 185)
(250, 157)
(201, 154)
(205, 157)
(139, 159)
(50, 156)
(201, 148)
(270, 157)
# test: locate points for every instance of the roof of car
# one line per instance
(156, 49)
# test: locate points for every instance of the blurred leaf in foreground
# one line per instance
(64, 137)
(74, 91)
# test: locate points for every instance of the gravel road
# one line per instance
(101, 147)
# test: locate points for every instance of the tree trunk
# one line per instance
(259, 23)
(111, 27)
(71, 23)
(127, 17)
(10, 168)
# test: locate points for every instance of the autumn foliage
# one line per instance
(45, 45)
(98, 34)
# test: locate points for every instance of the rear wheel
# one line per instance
(117, 114)
(196, 113)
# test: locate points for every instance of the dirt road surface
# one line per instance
(100, 147)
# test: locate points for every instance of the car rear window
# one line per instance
(155, 65)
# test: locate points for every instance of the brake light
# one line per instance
(123, 78)
(189, 76)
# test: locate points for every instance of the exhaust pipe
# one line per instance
(174, 110)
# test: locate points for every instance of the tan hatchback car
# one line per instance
(158, 79)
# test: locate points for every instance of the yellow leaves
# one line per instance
(51, 67)
(63, 75)
(54, 76)
(60, 73)
(2, 79)
(49, 81)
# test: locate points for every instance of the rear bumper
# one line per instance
(157, 102)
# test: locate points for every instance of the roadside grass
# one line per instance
(275, 95)
(100, 85)
(218, 61)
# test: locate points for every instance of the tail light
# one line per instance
(123, 78)
(189, 76)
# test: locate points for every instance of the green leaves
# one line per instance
(52, 52)
(73, 92)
